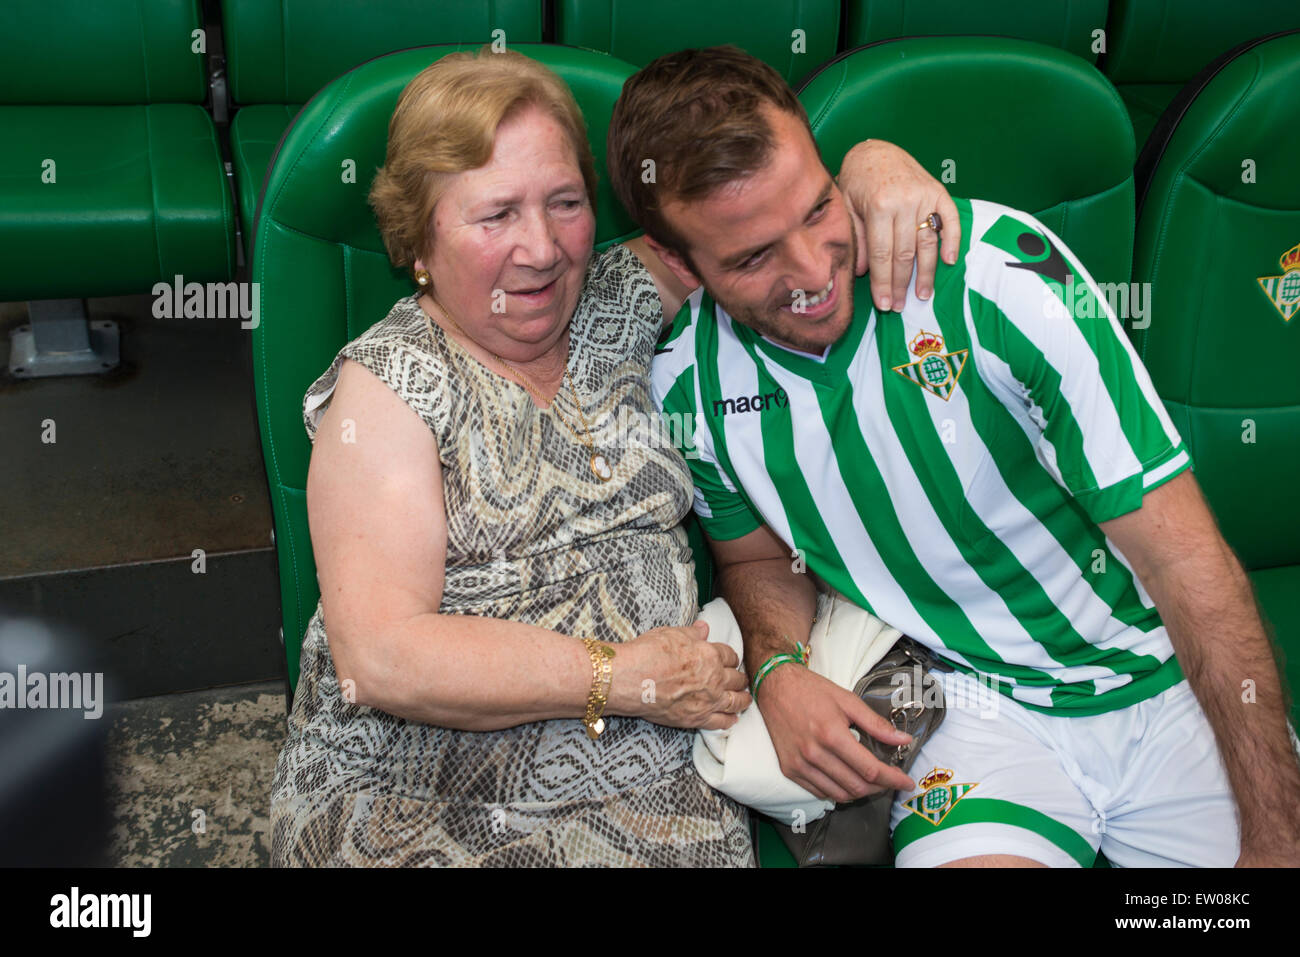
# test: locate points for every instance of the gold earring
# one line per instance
(422, 277)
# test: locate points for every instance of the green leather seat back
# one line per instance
(1154, 47)
(280, 54)
(1219, 242)
(284, 52)
(993, 118)
(638, 32)
(112, 52)
(324, 277)
(1069, 26)
(107, 150)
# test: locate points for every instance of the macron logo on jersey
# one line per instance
(751, 403)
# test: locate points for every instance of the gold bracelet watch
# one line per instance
(602, 673)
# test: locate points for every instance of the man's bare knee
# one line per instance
(995, 860)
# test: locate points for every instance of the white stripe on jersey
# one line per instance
(1160, 471)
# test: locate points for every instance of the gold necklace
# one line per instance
(600, 466)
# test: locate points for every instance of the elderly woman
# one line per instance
(511, 669)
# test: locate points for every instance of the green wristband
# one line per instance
(771, 665)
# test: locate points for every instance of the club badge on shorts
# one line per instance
(937, 796)
(1284, 291)
(934, 370)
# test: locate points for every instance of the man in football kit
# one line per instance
(988, 469)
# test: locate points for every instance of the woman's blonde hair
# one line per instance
(446, 122)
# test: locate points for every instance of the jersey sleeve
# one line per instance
(1067, 370)
(723, 512)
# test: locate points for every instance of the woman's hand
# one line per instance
(889, 194)
(675, 677)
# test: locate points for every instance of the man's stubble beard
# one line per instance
(768, 325)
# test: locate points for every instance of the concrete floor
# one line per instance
(151, 465)
(151, 460)
(190, 777)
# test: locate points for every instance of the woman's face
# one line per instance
(511, 240)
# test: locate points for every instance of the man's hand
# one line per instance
(809, 720)
(889, 194)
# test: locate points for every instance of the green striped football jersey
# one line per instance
(946, 466)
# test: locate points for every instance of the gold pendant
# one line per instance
(595, 728)
(600, 467)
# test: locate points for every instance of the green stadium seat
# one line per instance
(794, 36)
(324, 277)
(111, 177)
(280, 54)
(1069, 26)
(1218, 239)
(1007, 120)
(1153, 48)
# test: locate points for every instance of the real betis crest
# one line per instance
(937, 796)
(934, 370)
(1284, 291)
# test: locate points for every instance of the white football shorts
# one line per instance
(1145, 785)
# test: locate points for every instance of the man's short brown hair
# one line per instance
(695, 114)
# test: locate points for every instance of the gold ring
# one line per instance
(931, 222)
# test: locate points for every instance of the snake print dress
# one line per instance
(533, 536)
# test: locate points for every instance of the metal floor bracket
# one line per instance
(61, 340)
